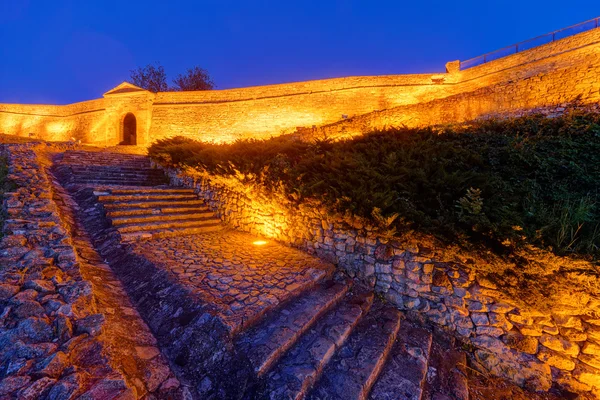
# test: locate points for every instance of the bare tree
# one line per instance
(194, 79)
(151, 77)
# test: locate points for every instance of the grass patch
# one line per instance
(498, 183)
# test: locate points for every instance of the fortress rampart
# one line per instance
(548, 75)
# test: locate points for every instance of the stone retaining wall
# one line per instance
(534, 332)
(49, 327)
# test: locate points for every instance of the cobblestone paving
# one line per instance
(241, 279)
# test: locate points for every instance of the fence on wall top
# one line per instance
(531, 43)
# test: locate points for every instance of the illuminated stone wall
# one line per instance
(220, 115)
(533, 331)
(563, 72)
(548, 75)
(261, 112)
(55, 123)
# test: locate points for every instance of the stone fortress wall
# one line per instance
(548, 75)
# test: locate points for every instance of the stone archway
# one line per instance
(129, 130)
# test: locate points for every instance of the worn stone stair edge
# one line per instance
(132, 211)
(149, 217)
(129, 237)
(191, 221)
(153, 204)
(113, 169)
(151, 190)
(144, 196)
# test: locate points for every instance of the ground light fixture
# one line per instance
(259, 242)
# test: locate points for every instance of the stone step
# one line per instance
(85, 162)
(355, 367)
(119, 181)
(105, 160)
(103, 175)
(404, 375)
(76, 154)
(153, 204)
(118, 173)
(149, 217)
(157, 225)
(79, 156)
(303, 364)
(104, 154)
(92, 165)
(114, 198)
(163, 233)
(265, 343)
(152, 190)
(116, 182)
(113, 166)
(130, 211)
(447, 370)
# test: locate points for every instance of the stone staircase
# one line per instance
(135, 196)
(330, 340)
(339, 342)
(157, 212)
(103, 168)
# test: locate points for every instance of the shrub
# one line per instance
(502, 183)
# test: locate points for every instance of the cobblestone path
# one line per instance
(242, 279)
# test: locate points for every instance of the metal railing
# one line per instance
(531, 43)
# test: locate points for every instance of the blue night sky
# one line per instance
(67, 51)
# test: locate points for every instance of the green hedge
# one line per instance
(501, 183)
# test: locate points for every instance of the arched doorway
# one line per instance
(129, 130)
